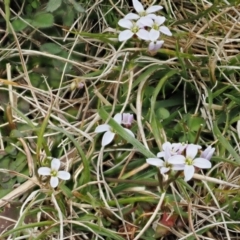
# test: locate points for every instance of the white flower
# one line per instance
(157, 22)
(164, 166)
(155, 25)
(141, 12)
(189, 161)
(175, 148)
(133, 28)
(127, 119)
(207, 153)
(154, 44)
(109, 134)
(54, 173)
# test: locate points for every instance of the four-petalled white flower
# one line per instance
(133, 28)
(164, 166)
(145, 25)
(141, 12)
(109, 134)
(189, 161)
(54, 172)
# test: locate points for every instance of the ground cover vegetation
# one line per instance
(119, 119)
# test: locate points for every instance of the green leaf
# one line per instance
(162, 113)
(159, 87)
(10, 149)
(225, 143)
(52, 48)
(124, 134)
(19, 25)
(194, 122)
(43, 20)
(34, 4)
(103, 231)
(53, 5)
(235, 99)
(77, 6)
(68, 18)
(41, 142)
(16, 134)
(145, 75)
(86, 172)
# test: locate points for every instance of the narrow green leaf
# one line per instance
(86, 172)
(41, 141)
(145, 75)
(159, 87)
(124, 134)
(225, 143)
(103, 231)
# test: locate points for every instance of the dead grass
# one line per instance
(60, 122)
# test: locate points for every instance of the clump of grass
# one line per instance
(58, 83)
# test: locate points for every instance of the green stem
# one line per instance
(7, 14)
(198, 134)
(138, 182)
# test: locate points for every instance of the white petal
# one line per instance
(118, 118)
(164, 170)
(207, 153)
(160, 20)
(154, 35)
(177, 159)
(127, 119)
(54, 182)
(182, 147)
(132, 16)
(145, 21)
(130, 132)
(191, 151)
(55, 164)
(167, 151)
(152, 16)
(137, 6)
(165, 31)
(188, 172)
(154, 8)
(107, 138)
(166, 145)
(143, 34)
(125, 35)
(161, 154)
(158, 45)
(102, 128)
(45, 171)
(155, 162)
(64, 175)
(178, 167)
(151, 47)
(125, 23)
(202, 163)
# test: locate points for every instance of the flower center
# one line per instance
(54, 173)
(189, 161)
(142, 14)
(155, 26)
(135, 29)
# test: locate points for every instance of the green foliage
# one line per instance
(53, 5)
(42, 20)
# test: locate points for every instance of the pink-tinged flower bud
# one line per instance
(127, 119)
(207, 153)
